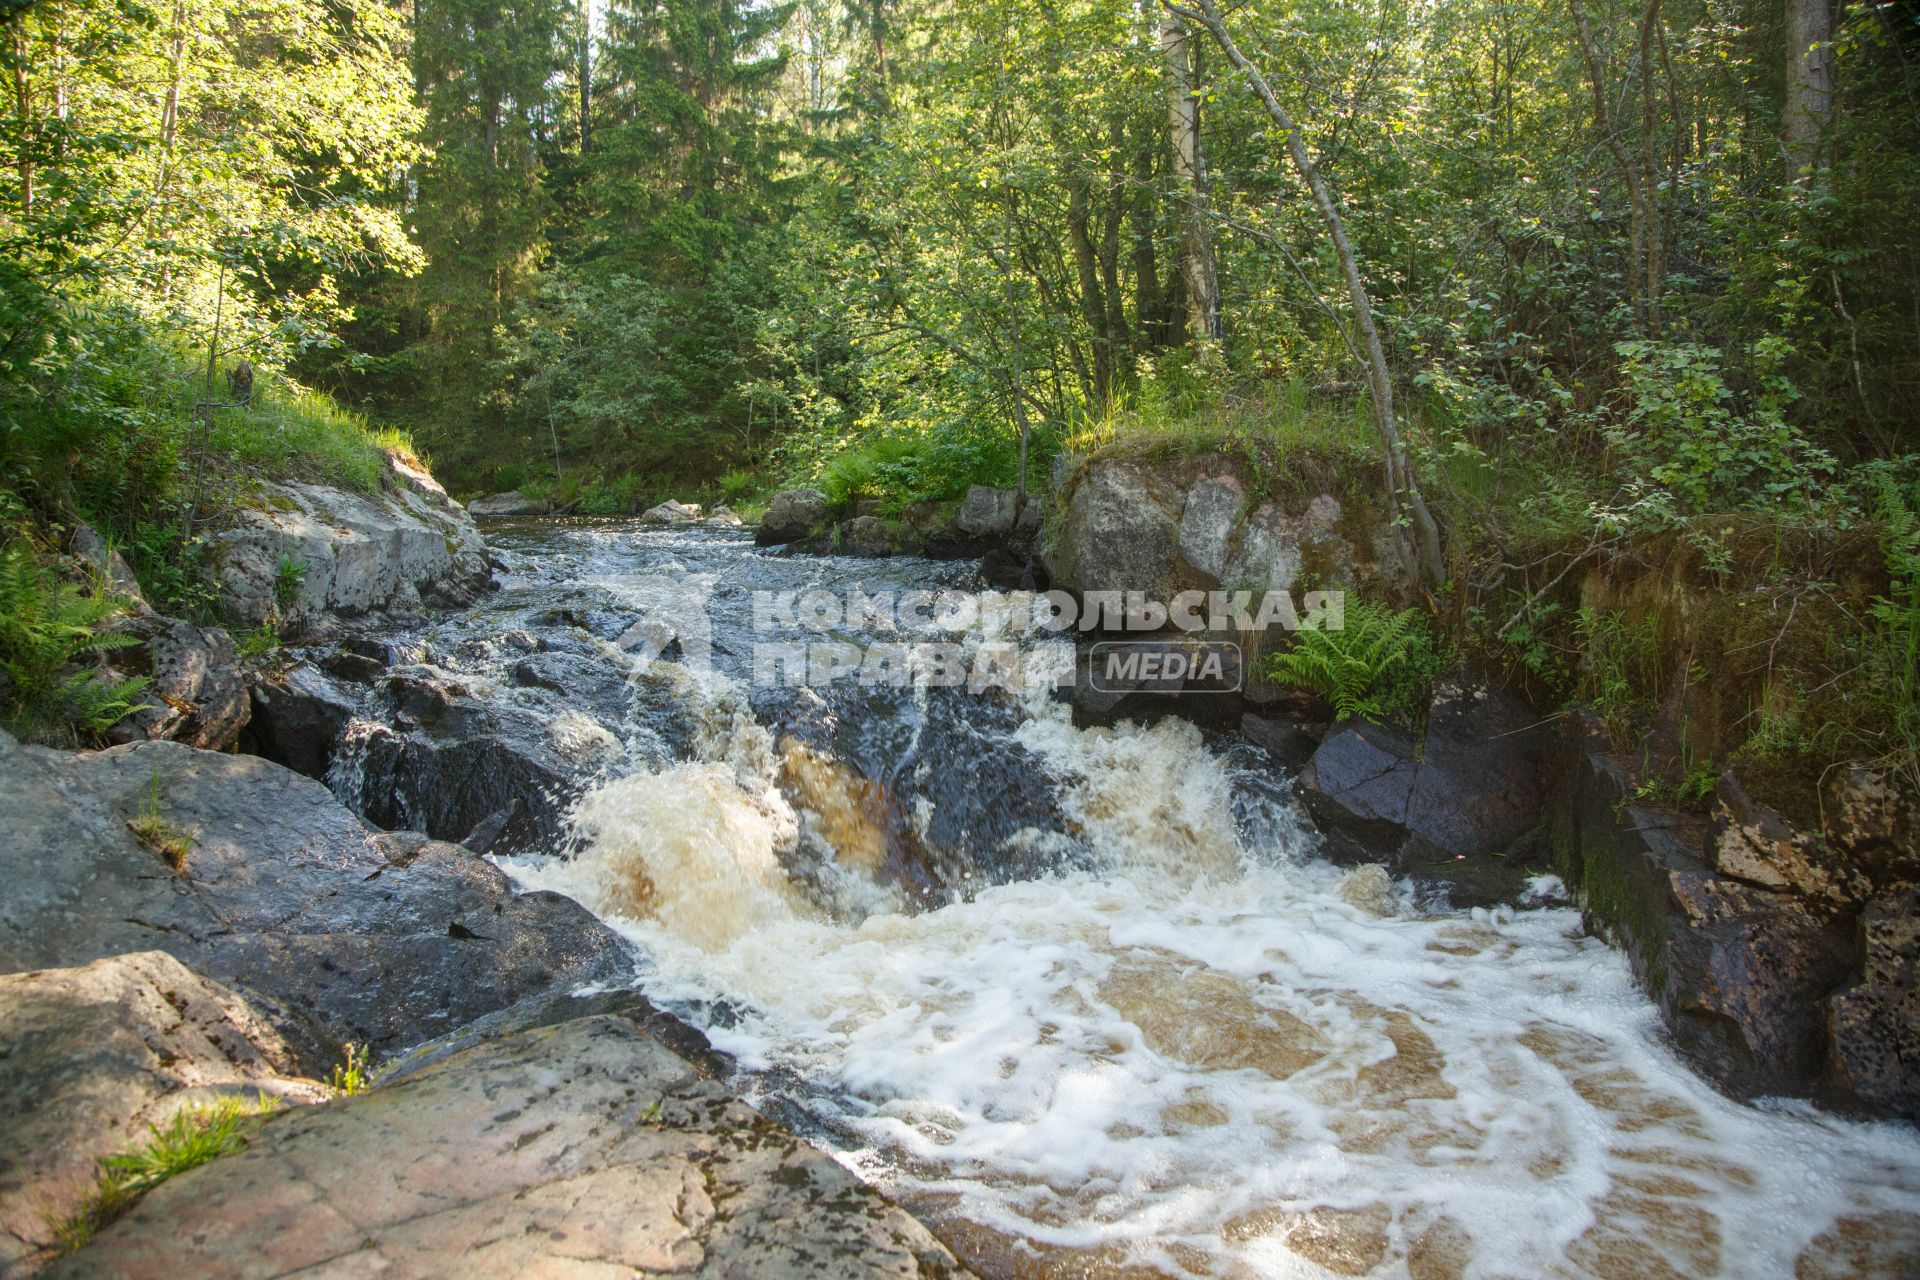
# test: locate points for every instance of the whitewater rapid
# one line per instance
(1199, 1050)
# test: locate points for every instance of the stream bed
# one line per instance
(1086, 1000)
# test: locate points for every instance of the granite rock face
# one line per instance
(335, 931)
(95, 1054)
(586, 1149)
(308, 555)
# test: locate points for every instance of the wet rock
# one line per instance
(1873, 1027)
(792, 515)
(1753, 843)
(672, 512)
(866, 536)
(1207, 523)
(725, 517)
(1455, 808)
(1874, 817)
(1119, 531)
(503, 506)
(92, 1055)
(298, 717)
(197, 692)
(1280, 737)
(587, 1148)
(309, 554)
(1740, 973)
(284, 895)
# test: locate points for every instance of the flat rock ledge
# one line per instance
(586, 1150)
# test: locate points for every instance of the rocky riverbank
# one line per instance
(185, 926)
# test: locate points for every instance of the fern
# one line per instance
(46, 626)
(1381, 665)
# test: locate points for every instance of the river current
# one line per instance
(1087, 1001)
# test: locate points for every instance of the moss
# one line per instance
(1611, 906)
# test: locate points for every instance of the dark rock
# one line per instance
(284, 895)
(584, 1148)
(792, 515)
(1873, 815)
(197, 691)
(1873, 1027)
(1008, 569)
(483, 837)
(1280, 737)
(358, 667)
(92, 1056)
(298, 717)
(1739, 972)
(1457, 809)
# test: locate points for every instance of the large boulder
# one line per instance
(671, 512)
(1753, 843)
(450, 754)
(793, 514)
(305, 554)
(1873, 1026)
(1454, 807)
(343, 933)
(1119, 531)
(866, 536)
(196, 691)
(507, 506)
(993, 513)
(583, 1149)
(95, 1054)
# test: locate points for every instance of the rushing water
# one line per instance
(1087, 1002)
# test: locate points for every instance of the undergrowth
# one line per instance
(47, 628)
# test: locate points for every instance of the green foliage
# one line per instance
(194, 1136)
(1681, 429)
(159, 833)
(350, 1076)
(1896, 617)
(1379, 666)
(289, 575)
(1619, 677)
(46, 627)
(259, 642)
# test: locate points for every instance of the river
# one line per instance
(1086, 1000)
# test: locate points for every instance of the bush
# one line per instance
(1380, 666)
(1682, 430)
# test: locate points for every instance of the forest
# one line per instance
(1586, 277)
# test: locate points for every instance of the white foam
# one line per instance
(1207, 1055)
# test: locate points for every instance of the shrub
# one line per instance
(1380, 665)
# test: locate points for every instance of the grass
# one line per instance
(290, 433)
(172, 842)
(1275, 421)
(193, 1137)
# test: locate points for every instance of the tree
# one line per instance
(1420, 538)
